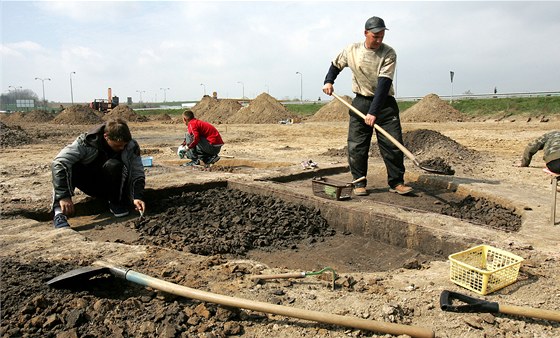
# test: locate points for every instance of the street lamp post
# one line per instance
(300, 87)
(71, 91)
(451, 74)
(243, 88)
(140, 95)
(164, 93)
(204, 89)
(43, 81)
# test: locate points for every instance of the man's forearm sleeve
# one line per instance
(381, 93)
(332, 74)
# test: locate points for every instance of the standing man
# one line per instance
(373, 65)
(202, 141)
(103, 163)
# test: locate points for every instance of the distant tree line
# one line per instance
(8, 100)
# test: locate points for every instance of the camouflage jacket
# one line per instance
(549, 143)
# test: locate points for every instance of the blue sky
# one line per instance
(231, 47)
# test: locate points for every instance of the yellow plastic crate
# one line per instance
(484, 269)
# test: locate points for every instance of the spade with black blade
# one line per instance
(469, 305)
(75, 277)
(395, 142)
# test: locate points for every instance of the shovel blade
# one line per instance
(437, 171)
(76, 276)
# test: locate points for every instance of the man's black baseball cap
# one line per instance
(375, 24)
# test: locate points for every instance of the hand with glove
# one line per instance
(182, 151)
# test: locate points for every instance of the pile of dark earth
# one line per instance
(432, 145)
(229, 221)
(104, 307)
(437, 165)
(484, 212)
(13, 136)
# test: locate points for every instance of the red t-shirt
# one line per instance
(200, 129)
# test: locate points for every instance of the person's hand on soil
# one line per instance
(328, 89)
(67, 206)
(140, 206)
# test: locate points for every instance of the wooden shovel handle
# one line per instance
(353, 322)
(381, 130)
(530, 312)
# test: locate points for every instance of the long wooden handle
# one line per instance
(381, 130)
(280, 275)
(530, 312)
(353, 322)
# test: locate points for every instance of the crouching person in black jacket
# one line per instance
(104, 163)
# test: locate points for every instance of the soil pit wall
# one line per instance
(234, 218)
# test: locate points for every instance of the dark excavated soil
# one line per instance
(102, 307)
(227, 221)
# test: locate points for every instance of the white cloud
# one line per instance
(20, 48)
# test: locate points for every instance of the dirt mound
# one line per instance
(161, 117)
(125, 112)
(485, 213)
(431, 144)
(434, 148)
(332, 111)
(34, 116)
(38, 116)
(263, 109)
(166, 119)
(13, 136)
(431, 109)
(13, 118)
(215, 110)
(78, 114)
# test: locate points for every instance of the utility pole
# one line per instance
(71, 91)
(164, 93)
(451, 74)
(300, 87)
(43, 81)
(140, 95)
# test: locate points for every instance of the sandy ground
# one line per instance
(370, 288)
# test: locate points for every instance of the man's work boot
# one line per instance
(60, 221)
(360, 191)
(191, 163)
(118, 210)
(213, 159)
(401, 189)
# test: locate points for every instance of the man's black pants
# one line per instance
(360, 135)
(105, 182)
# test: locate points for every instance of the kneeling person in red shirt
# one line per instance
(202, 141)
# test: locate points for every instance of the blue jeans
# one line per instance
(360, 135)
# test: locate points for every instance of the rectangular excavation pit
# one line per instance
(351, 217)
(238, 219)
(362, 232)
